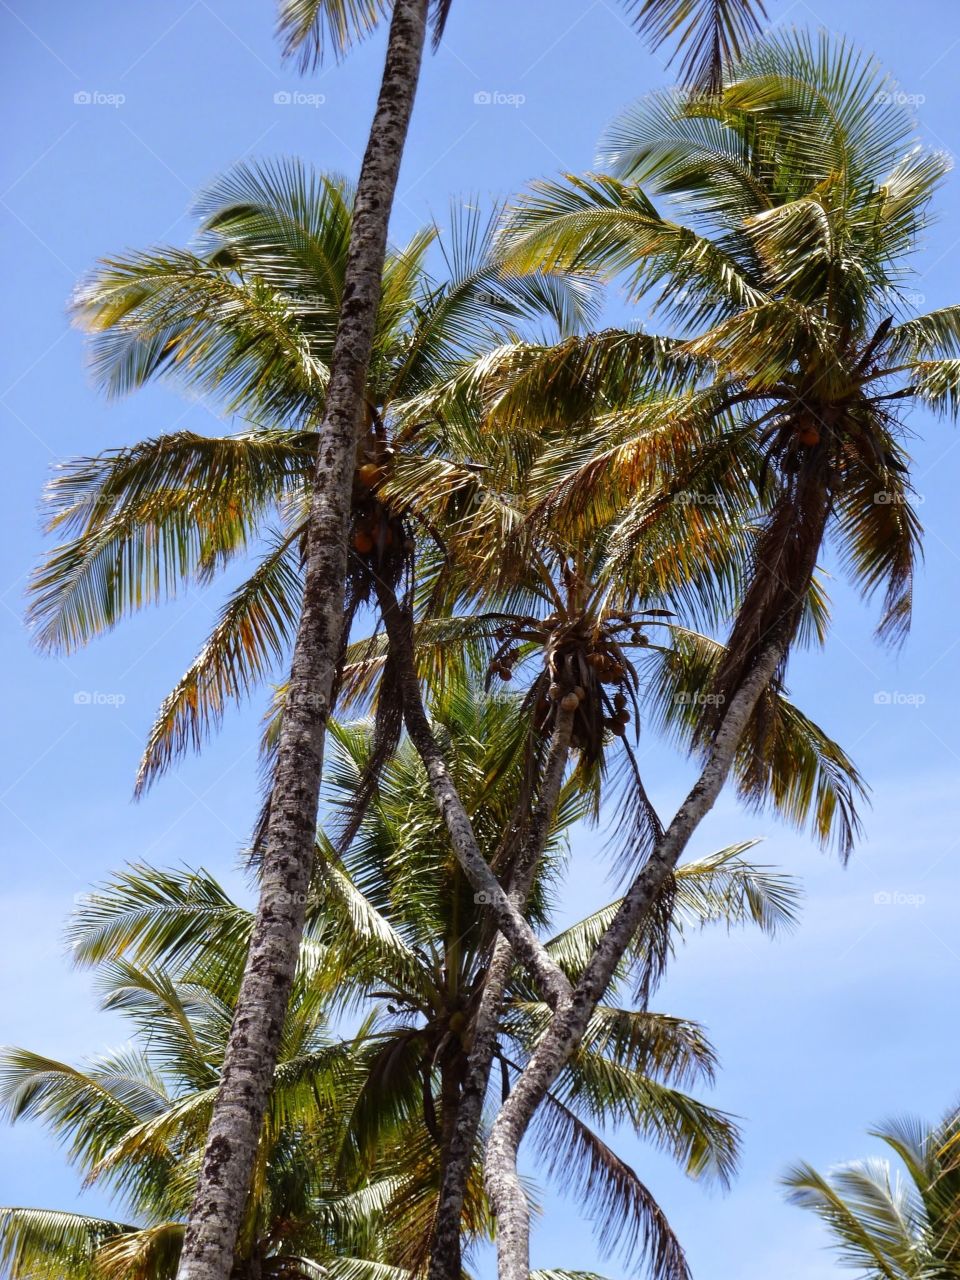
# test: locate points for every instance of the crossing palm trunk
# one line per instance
(241, 1101)
(529, 949)
(570, 1018)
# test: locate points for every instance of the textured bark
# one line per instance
(570, 1019)
(445, 1251)
(531, 952)
(232, 1140)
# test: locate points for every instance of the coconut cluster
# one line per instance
(585, 673)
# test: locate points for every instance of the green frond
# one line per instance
(148, 519)
(180, 316)
(626, 1216)
(252, 637)
(149, 915)
(151, 1253)
(310, 28)
(47, 1244)
(867, 1213)
(708, 34)
(785, 759)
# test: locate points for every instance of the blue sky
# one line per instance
(820, 1034)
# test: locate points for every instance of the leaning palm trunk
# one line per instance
(572, 1013)
(238, 1112)
(445, 1252)
(571, 1017)
(530, 951)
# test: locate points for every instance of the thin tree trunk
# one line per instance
(450, 1095)
(445, 1252)
(531, 952)
(570, 1019)
(247, 1075)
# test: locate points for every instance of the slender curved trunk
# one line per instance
(241, 1100)
(530, 951)
(445, 1251)
(451, 1083)
(570, 1020)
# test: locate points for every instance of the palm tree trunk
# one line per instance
(570, 1019)
(247, 1074)
(530, 951)
(445, 1251)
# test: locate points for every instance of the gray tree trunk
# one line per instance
(530, 951)
(235, 1126)
(570, 1018)
(445, 1252)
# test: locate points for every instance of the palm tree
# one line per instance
(399, 939)
(310, 26)
(412, 879)
(290, 827)
(550, 603)
(803, 197)
(251, 320)
(886, 1226)
(133, 1121)
(313, 668)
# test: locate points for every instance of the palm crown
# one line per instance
(803, 193)
(887, 1225)
(251, 318)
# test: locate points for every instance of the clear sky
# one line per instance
(847, 1021)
